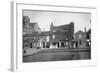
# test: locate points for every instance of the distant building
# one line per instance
(62, 35)
(88, 37)
(45, 39)
(80, 38)
(31, 35)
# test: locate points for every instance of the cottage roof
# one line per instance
(60, 27)
(32, 24)
(80, 31)
(45, 33)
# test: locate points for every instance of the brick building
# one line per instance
(61, 36)
(83, 39)
(80, 38)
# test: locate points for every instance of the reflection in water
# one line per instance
(57, 56)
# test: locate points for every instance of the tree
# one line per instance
(26, 21)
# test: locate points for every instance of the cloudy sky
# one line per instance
(44, 19)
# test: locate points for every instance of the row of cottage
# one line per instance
(57, 37)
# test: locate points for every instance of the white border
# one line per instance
(17, 64)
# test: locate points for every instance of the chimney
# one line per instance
(85, 29)
(51, 26)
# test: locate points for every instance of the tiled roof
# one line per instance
(32, 25)
(80, 31)
(61, 27)
(45, 33)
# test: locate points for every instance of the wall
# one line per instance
(5, 35)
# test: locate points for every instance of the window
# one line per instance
(67, 37)
(80, 36)
(47, 38)
(54, 30)
(53, 36)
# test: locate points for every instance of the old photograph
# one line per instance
(55, 36)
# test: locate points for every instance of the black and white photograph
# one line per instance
(55, 36)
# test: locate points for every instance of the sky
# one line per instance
(44, 19)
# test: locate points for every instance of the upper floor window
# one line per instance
(47, 38)
(67, 37)
(53, 36)
(80, 36)
(54, 30)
